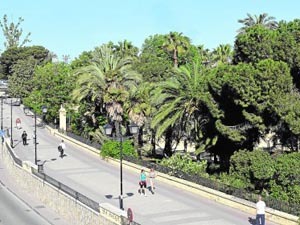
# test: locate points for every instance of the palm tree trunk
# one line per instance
(153, 143)
(175, 58)
(168, 143)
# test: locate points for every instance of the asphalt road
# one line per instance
(99, 180)
(14, 211)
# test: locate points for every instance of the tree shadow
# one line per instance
(127, 195)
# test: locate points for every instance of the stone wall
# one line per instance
(66, 206)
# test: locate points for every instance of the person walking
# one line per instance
(24, 137)
(260, 211)
(143, 182)
(62, 148)
(152, 175)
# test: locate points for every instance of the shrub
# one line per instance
(185, 164)
(233, 181)
(256, 167)
(112, 149)
(288, 169)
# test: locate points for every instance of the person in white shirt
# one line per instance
(260, 211)
(62, 148)
(152, 176)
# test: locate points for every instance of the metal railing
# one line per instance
(71, 192)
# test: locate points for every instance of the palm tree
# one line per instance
(107, 81)
(205, 54)
(180, 101)
(222, 54)
(139, 110)
(263, 19)
(126, 48)
(176, 44)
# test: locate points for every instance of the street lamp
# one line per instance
(2, 132)
(11, 127)
(133, 128)
(1, 113)
(44, 110)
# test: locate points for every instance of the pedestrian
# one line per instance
(24, 137)
(152, 175)
(143, 182)
(62, 148)
(18, 123)
(260, 211)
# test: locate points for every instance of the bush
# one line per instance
(256, 167)
(185, 164)
(112, 149)
(233, 181)
(288, 169)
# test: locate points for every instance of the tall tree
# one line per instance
(222, 54)
(262, 19)
(12, 33)
(154, 63)
(176, 44)
(181, 108)
(256, 44)
(106, 82)
(126, 48)
(12, 55)
(20, 82)
(84, 59)
(245, 97)
(52, 84)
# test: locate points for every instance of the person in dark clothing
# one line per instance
(24, 138)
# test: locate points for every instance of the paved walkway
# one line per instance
(99, 180)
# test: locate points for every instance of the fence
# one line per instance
(66, 189)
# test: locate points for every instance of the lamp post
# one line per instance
(133, 128)
(2, 132)
(44, 110)
(2, 113)
(11, 127)
(35, 142)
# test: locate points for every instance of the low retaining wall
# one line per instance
(60, 202)
(234, 202)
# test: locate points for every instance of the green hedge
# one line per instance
(112, 149)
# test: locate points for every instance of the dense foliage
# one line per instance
(112, 149)
(185, 163)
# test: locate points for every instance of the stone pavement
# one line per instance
(99, 180)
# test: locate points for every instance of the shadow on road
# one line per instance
(16, 143)
(252, 221)
(117, 197)
(45, 161)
